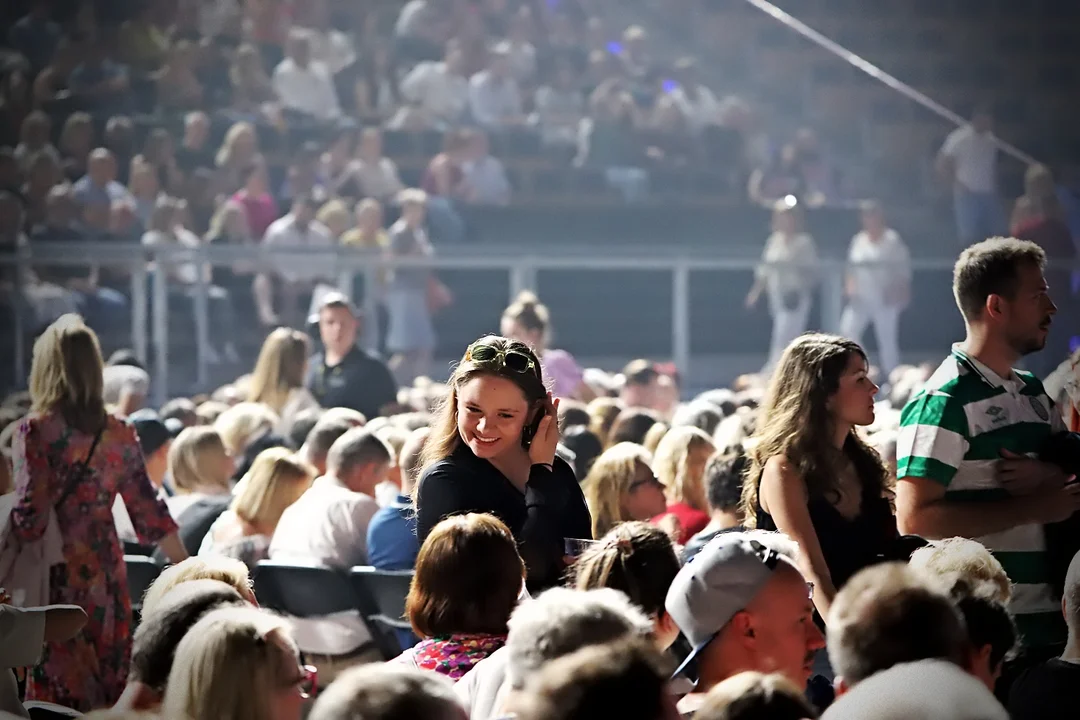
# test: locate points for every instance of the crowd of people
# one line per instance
(581, 544)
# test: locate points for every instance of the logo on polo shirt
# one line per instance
(1037, 406)
(997, 414)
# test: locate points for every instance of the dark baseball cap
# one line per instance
(152, 432)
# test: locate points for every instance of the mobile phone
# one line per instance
(529, 431)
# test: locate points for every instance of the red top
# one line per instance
(691, 521)
(1048, 233)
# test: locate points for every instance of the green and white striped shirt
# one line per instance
(953, 432)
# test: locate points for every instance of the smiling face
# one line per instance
(491, 414)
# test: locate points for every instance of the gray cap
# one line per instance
(722, 579)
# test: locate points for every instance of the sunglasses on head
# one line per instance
(512, 360)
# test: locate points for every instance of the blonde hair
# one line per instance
(610, 477)
(66, 374)
(230, 571)
(755, 694)
(276, 480)
(671, 463)
(532, 315)
(218, 229)
(656, 433)
(279, 369)
(244, 422)
(335, 213)
(221, 659)
(192, 459)
(224, 155)
(965, 560)
(208, 412)
(602, 413)
(349, 416)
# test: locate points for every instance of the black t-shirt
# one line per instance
(1050, 691)
(360, 381)
(551, 509)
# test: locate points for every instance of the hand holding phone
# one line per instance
(546, 438)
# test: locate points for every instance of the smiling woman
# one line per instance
(492, 450)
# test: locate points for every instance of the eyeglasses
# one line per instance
(512, 360)
(308, 682)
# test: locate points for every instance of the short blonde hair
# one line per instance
(244, 422)
(276, 480)
(671, 463)
(610, 476)
(66, 374)
(192, 457)
(355, 418)
(222, 658)
(208, 412)
(232, 572)
(967, 560)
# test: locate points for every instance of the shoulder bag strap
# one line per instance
(80, 472)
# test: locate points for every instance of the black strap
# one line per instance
(80, 472)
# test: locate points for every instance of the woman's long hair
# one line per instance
(610, 477)
(795, 422)
(66, 374)
(280, 368)
(444, 437)
(671, 463)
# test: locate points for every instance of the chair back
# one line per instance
(303, 590)
(142, 571)
(382, 596)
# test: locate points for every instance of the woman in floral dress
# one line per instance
(468, 578)
(67, 425)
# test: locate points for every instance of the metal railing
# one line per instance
(150, 267)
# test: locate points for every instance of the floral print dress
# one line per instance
(451, 655)
(90, 671)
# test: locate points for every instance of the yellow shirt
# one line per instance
(354, 238)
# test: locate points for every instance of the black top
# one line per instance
(551, 509)
(195, 522)
(360, 381)
(1050, 691)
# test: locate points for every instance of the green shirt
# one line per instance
(953, 433)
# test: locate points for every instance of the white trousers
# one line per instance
(786, 326)
(886, 320)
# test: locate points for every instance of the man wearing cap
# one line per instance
(744, 605)
(344, 375)
(155, 439)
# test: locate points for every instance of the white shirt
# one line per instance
(378, 179)
(493, 101)
(186, 273)
(799, 250)
(975, 155)
(327, 525)
(333, 49)
(701, 111)
(294, 268)
(436, 92)
(483, 690)
(307, 90)
(486, 178)
(873, 283)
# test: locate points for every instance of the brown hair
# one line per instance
(794, 422)
(991, 268)
(603, 411)
(468, 578)
(444, 436)
(635, 558)
(280, 368)
(528, 312)
(631, 425)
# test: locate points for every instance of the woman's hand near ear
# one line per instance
(544, 442)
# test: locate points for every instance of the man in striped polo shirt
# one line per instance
(965, 453)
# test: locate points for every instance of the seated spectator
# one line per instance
(494, 97)
(585, 445)
(243, 424)
(145, 190)
(275, 481)
(180, 410)
(637, 63)
(141, 44)
(229, 226)
(485, 181)
(696, 102)
(51, 83)
(625, 679)
(320, 439)
(638, 560)
(278, 379)
(368, 232)
(603, 411)
(298, 229)
(783, 177)
(98, 78)
(76, 144)
(178, 85)
(723, 479)
(43, 173)
(200, 470)
(1050, 690)
(754, 695)
(621, 487)
(421, 29)
(467, 582)
(387, 692)
(555, 624)
(887, 615)
(301, 427)
(632, 425)
(375, 92)
(302, 84)
(254, 197)
(519, 48)
(331, 47)
(251, 87)
(221, 569)
(391, 535)
(153, 646)
(119, 138)
(445, 174)
(439, 90)
(303, 176)
(609, 139)
(226, 654)
(34, 138)
(375, 175)
(35, 35)
(966, 560)
(238, 151)
(338, 155)
(194, 151)
(679, 463)
(99, 186)
(560, 106)
(744, 605)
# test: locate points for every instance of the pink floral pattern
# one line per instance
(452, 655)
(88, 672)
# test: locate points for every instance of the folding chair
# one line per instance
(142, 571)
(382, 594)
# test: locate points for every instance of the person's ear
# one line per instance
(743, 625)
(995, 306)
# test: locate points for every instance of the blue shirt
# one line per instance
(391, 536)
(87, 193)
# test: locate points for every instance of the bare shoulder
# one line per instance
(781, 475)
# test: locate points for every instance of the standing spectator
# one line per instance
(878, 286)
(43, 173)
(560, 106)
(609, 139)
(375, 175)
(788, 273)
(528, 321)
(34, 138)
(698, 103)
(297, 230)
(391, 539)
(278, 378)
(411, 335)
(964, 450)
(344, 375)
(421, 30)
(968, 161)
(145, 190)
(303, 85)
(494, 96)
(69, 454)
(439, 89)
(159, 152)
(76, 143)
(485, 178)
(35, 36)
